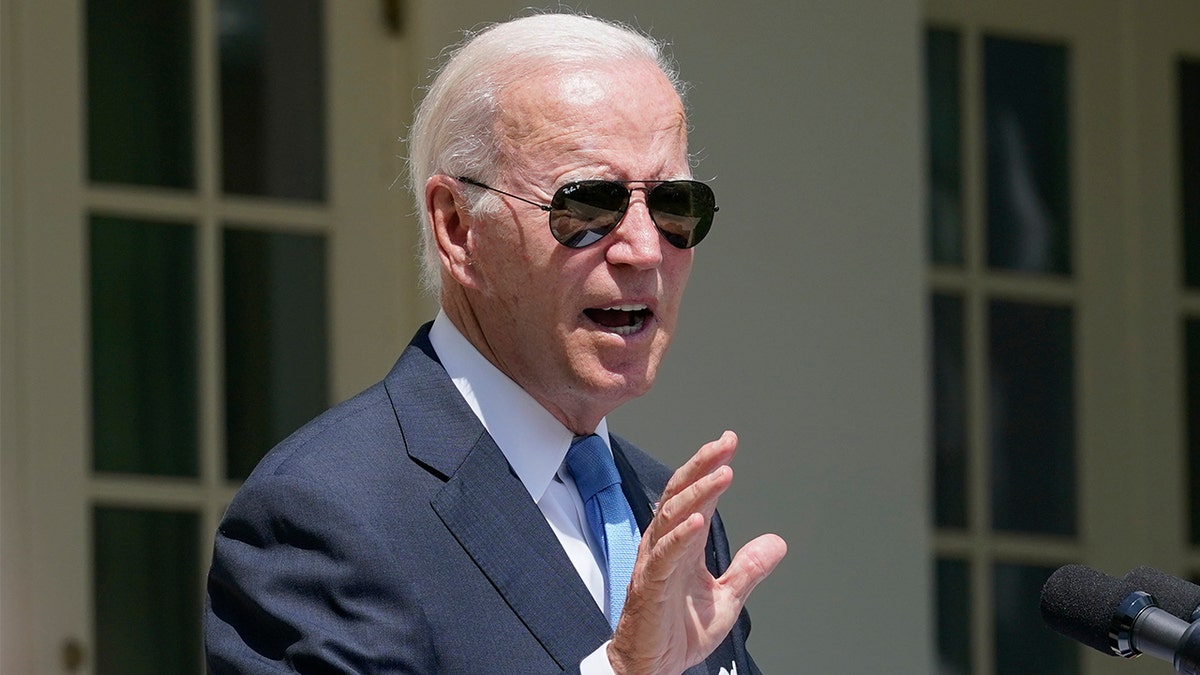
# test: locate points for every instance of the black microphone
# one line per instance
(1116, 618)
(1177, 596)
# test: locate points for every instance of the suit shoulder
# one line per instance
(365, 420)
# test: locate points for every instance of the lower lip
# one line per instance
(624, 331)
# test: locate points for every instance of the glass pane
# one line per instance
(147, 592)
(1192, 337)
(1189, 169)
(1031, 404)
(953, 617)
(139, 92)
(945, 152)
(949, 412)
(144, 371)
(276, 372)
(273, 98)
(1023, 643)
(1028, 182)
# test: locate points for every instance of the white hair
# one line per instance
(454, 129)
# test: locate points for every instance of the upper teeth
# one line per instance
(625, 308)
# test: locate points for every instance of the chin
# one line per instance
(625, 384)
(619, 375)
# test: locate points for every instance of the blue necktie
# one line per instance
(609, 516)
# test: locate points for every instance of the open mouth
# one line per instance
(621, 319)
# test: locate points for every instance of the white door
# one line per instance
(205, 243)
(1065, 258)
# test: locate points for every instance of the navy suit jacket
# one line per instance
(390, 535)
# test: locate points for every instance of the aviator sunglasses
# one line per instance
(583, 212)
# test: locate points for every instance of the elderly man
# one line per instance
(471, 513)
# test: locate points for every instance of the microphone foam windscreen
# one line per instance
(1080, 602)
(1173, 594)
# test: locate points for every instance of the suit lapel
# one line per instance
(489, 512)
(491, 515)
(641, 500)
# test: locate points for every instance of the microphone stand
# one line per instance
(1140, 626)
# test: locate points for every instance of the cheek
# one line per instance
(677, 269)
(532, 294)
(502, 263)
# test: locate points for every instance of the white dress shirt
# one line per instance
(535, 445)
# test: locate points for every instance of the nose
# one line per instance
(636, 241)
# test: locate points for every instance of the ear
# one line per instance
(451, 229)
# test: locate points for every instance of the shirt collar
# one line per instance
(532, 440)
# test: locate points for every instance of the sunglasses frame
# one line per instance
(548, 208)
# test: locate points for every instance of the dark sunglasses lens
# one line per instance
(683, 211)
(582, 213)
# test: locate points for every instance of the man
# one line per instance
(445, 519)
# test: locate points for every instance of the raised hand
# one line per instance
(676, 612)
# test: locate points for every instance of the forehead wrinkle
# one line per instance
(577, 156)
(550, 109)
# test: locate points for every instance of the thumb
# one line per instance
(753, 563)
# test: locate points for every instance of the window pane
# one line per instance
(1192, 360)
(273, 98)
(1189, 169)
(1031, 404)
(139, 91)
(953, 617)
(945, 152)
(144, 372)
(949, 412)
(1028, 182)
(1023, 643)
(276, 372)
(147, 593)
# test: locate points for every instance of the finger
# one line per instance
(753, 563)
(671, 550)
(700, 498)
(710, 456)
(657, 567)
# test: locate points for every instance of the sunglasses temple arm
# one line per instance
(468, 181)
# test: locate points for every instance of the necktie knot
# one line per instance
(591, 465)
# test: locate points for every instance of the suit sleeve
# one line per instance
(299, 584)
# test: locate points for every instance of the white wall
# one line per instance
(803, 328)
(14, 537)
